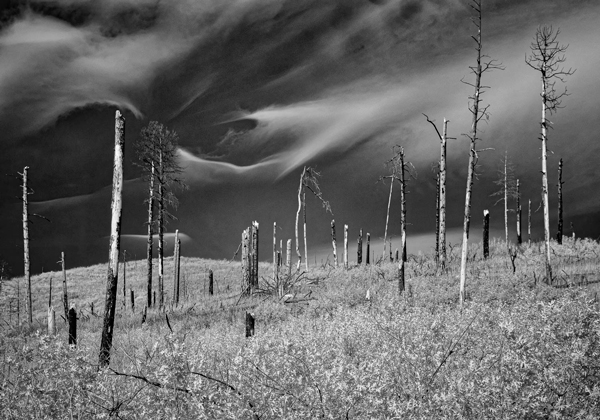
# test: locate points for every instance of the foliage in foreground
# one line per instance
(517, 350)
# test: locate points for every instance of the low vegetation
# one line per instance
(340, 344)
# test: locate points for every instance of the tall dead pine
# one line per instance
(359, 247)
(486, 233)
(478, 113)
(547, 57)
(246, 260)
(518, 197)
(176, 268)
(346, 247)
(254, 255)
(115, 239)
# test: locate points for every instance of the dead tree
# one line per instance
(115, 240)
(346, 247)
(176, 268)
(254, 258)
(246, 260)
(368, 248)
(308, 179)
(359, 247)
(441, 202)
(486, 233)
(156, 150)
(547, 56)
(124, 279)
(334, 244)
(437, 217)
(478, 112)
(529, 223)
(65, 295)
(27, 274)
(508, 189)
(275, 264)
(559, 233)
(518, 209)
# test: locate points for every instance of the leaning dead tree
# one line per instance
(115, 240)
(308, 179)
(508, 189)
(478, 112)
(157, 154)
(547, 57)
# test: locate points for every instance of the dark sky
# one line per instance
(258, 88)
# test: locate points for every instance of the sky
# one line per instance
(256, 89)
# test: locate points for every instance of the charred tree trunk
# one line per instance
(161, 229)
(289, 257)
(115, 238)
(529, 223)
(437, 218)
(176, 267)
(442, 204)
(368, 248)
(275, 263)
(346, 247)
(402, 222)
(65, 295)
(150, 240)
(304, 228)
(246, 260)
(506, 198)
(486, 234)
(359, 248)
(559, 234)
(334, 244)
(518, 196)
(254, 256)
(27, 274)
(73, 326)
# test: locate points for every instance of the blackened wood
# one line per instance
(72, 326)
(249, 324)
(486, 233)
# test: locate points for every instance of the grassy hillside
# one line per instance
(518, 349)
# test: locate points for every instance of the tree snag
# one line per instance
(115, 240)
(547, 56)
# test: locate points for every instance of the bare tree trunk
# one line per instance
(300, 190)
(254, 256)
(437, 218)
(519, 238)
(246, 260)
(346, 247)
(115, 238)
(506, 198)
(529, 223)
(477, 114)
(304, 217)
(334, 243)
(275, 264)
(442, 204)
(124, 280)
(387, 218)
(359, 248)
(73, 325)
(402, 221)
(65, 295)
(27, 274)
(545, 184)
(176, 267)
(559, 234)
(486, 233)
(150, 240)
(368, 248)
(289, 257)
(161, 228)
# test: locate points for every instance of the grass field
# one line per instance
(518, 349)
